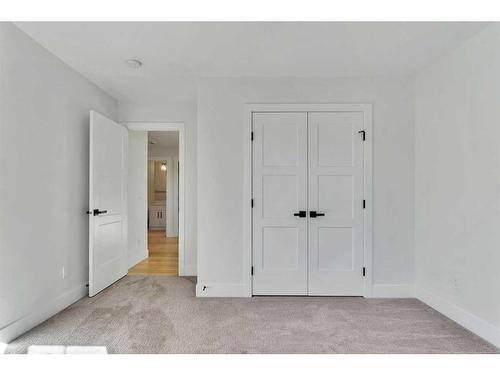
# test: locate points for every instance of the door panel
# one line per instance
(107, 192)
(338, 257)
(285, 187)
(335, 195)
(279, 191)
(335, 241)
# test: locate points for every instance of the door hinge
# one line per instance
(364, 271)
(364, 203)
(251, 136)
(364, 134)
(251, 202)
(251, 270)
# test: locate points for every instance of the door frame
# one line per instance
(366, 109)
(171, 126)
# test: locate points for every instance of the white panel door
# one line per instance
(279, 193)
(107, 203)
(335, 191)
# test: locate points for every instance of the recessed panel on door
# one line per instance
(279, 193)
(335, 180)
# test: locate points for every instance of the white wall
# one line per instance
(220, 172)
(175, 112)
(44, 129)
(457, 186)
(172, 196)
(151, 181)
(137, 197)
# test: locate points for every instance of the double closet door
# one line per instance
(308, 203)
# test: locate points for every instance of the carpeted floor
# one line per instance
(160, 314)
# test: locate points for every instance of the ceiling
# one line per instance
(176, 54)
(163, 140)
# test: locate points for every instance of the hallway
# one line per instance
(163, 256)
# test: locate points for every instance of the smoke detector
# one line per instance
(134, 63)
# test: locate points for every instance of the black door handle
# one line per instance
(97, 212)
(300, 214)
(315, 214)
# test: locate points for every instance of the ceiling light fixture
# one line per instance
(134, 63)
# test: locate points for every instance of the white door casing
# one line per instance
(335, 182)
(280, 191)
(108, 194)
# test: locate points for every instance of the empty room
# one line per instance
(250, 187)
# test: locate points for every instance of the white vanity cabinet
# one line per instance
(157, 217)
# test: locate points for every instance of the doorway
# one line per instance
(162, 205)
(311, 202)
(164, 227)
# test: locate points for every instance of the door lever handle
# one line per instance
(316, 214)
(300, 214)
(97, 212)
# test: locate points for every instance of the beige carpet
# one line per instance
(160, 314)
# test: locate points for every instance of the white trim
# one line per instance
(222, 290)
(190, 270)
(392, 291)
(41, 313)
(155, 126)
(477, 325)
(368, 180)
(172, 126)
(368, 194)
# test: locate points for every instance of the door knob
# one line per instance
(97, 212)
(300, 214)
(315, 214)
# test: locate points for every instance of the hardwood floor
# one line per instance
(163, 256)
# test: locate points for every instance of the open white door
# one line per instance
(107, 202)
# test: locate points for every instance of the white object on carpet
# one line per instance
(62, 349)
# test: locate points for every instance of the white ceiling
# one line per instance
(175, 54)
(163, 140)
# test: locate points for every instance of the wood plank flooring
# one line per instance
(163, 256)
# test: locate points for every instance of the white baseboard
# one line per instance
(41, 313)
(138, 257)
(392, 291)
(222, 290)
(472, 322)
(189, 270)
